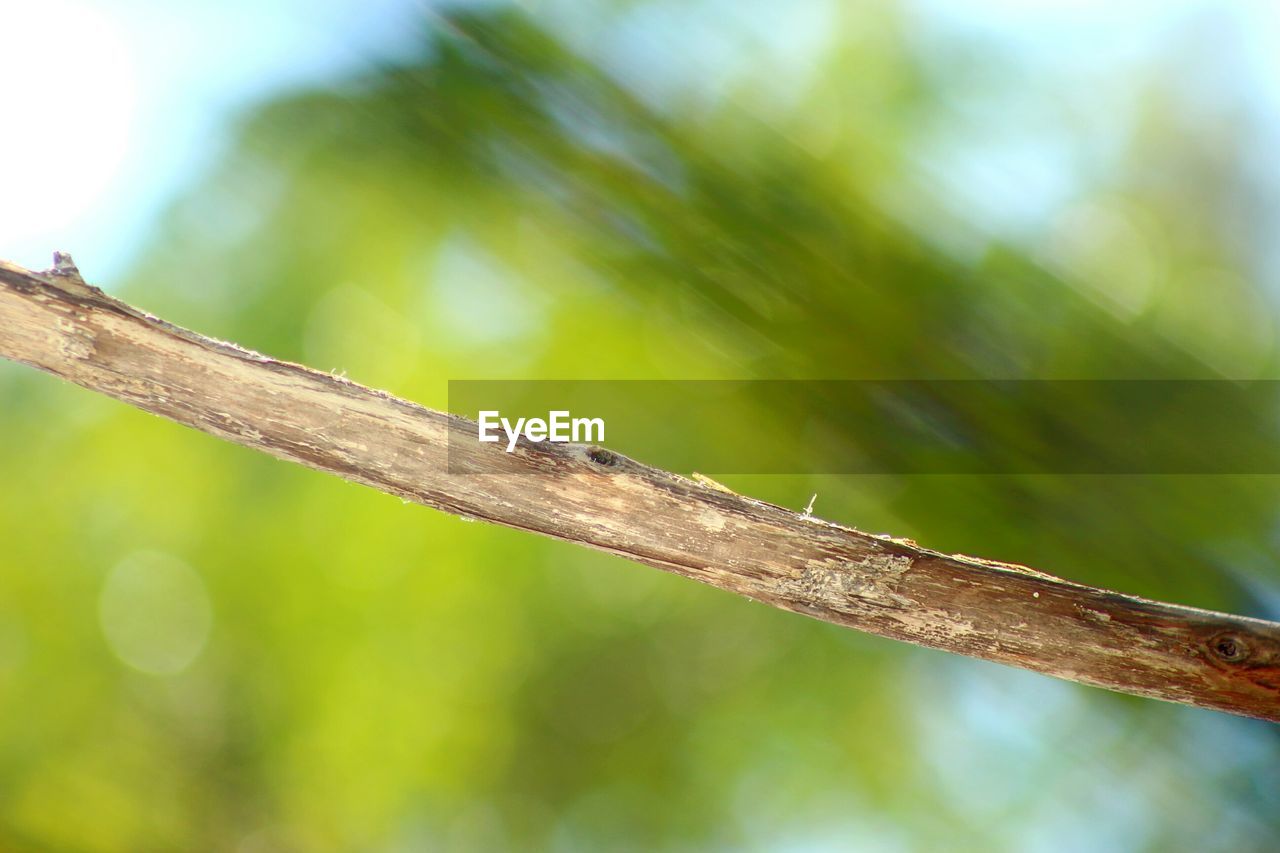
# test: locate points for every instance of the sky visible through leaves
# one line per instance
(203, 648)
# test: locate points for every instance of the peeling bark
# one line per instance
(594, 497)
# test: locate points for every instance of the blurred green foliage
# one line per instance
(377, 676)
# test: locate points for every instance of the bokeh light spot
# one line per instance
(155, 613)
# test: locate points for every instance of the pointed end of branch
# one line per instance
(63, 265)
(67, 275)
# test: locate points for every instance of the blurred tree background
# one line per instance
(229, 652)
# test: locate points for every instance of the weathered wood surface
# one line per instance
(594, 497)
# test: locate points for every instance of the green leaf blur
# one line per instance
(377, 676)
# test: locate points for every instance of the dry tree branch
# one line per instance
(594, 497)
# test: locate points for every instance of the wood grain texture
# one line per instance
(594, 497)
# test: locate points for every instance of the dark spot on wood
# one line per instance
(600, 456)
(1229, 647)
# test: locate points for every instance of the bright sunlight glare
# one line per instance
(68, 92)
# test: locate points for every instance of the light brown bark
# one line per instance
(594, 497)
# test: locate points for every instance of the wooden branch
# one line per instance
(594, 497)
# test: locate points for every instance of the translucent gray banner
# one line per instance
(893, 426)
